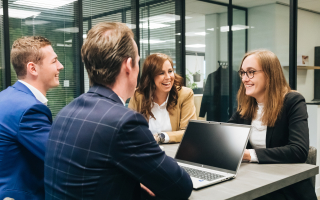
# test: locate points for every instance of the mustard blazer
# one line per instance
(179, 115)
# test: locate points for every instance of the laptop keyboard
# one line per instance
(208, 176)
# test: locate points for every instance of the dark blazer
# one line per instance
(213, 103)
(99, 149)
(24, 128)
(287, 142)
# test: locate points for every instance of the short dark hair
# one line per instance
(27, 49)
(107, 45)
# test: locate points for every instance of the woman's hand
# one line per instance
(246, 155)
(156, 137)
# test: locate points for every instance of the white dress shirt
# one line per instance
(258, 135)
(162, 122)
(36, 93)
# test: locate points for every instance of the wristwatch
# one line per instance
(162, 137)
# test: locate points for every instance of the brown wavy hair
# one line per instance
(276, 89)
(152, 66)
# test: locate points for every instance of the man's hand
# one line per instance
(147, 190)
(246, 155)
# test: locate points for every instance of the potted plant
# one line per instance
(196, 76)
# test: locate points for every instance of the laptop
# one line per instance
(211, 152)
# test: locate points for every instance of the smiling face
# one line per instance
(165, 79)
(256, 86)
(49, 68)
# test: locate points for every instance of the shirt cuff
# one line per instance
(166, 137)
(254, 157)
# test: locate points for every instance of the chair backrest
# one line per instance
(312, 156)
(312, 159)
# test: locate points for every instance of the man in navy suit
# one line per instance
(25, 120)
(99, 149)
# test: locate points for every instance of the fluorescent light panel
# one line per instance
(233, 28)
(21, 14)
(68, 30)
(196, 45)
(35, 22)
(44, 3)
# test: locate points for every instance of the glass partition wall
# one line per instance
(205, 38)
(58, 22)
(214, 81)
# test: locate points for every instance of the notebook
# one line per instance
(211, 152)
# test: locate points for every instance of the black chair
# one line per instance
(312, 159)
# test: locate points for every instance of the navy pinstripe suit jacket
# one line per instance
(99, 149)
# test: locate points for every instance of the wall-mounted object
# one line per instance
(317, 74)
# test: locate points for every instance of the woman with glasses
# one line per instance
(278, 116)
(163, 101)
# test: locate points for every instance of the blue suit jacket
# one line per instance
(99, 149)
(24, 128)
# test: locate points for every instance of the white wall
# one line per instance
(271, 31)
(193, 64)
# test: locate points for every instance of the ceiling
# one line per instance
(198, 9)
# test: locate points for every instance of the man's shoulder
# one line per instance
(13, 100)
(93, 107)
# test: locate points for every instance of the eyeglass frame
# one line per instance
(246, 72)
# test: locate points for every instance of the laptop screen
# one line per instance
(213, 144)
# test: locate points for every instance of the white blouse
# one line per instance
(258, 135)
(162, 122)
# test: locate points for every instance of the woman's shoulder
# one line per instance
(185, 91)
(293, 96)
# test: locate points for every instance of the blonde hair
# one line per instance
(27, 49)
(276, 89)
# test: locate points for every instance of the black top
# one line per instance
(286, 142)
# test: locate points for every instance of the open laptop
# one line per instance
(212, 152)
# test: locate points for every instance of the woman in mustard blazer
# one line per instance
(163, 101)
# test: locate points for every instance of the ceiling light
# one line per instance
(151, 41)
(35, 22)
(196, 45)
(234, 28)
(69, 41)
(201, 33)
(44, 3)
(152, 25)
(210, 29)
(68, 30)
(21, 14)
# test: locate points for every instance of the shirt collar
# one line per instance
(36, 92)
(122, 100)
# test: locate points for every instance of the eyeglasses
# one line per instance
(250, 73)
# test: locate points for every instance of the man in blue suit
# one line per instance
(98, 148)
(25, 120)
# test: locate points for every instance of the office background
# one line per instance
(206, 40)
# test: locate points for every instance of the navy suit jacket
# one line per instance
(99, 149)
(24, 128)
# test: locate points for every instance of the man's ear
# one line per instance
(128, 64)
(32, 69)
